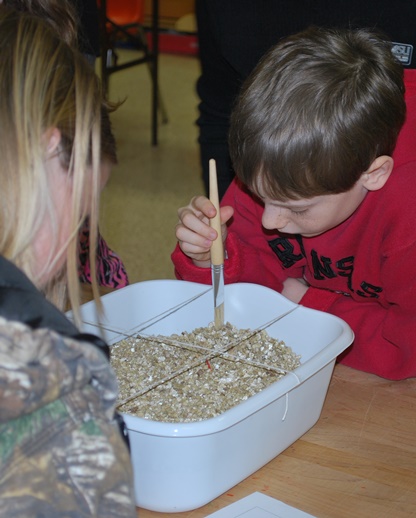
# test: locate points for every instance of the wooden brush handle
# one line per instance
(217, 248)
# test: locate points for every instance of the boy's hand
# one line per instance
(294, 289)
(194, 234)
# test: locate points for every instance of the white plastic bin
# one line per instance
(182, 466)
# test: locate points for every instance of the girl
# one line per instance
(77, 23)
(61, 450)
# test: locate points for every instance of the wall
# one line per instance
(170, 11)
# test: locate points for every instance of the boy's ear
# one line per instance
(378, 173)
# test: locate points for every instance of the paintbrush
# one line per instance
(217, 250)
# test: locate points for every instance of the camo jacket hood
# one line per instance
(61, 452)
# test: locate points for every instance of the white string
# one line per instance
(287, 395)
(211, 354)
(150, 321)
(287, 406)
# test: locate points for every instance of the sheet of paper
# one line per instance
(258, 505)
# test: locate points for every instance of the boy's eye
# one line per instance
(298, 212)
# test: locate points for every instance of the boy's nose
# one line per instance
(274, 218)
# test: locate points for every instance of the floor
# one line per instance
(139, 204)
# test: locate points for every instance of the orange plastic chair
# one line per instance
(121, 23)
(125, 12)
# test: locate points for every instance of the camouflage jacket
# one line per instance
(61, 451)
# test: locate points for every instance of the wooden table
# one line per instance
(359, 460)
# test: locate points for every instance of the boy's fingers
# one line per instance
(226, 213)
(203, 205)
(186, 235)
(193, 245)
(193, 232)
(199, 225)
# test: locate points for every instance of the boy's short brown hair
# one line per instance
(316, 111)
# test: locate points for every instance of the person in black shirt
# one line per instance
(234, 35)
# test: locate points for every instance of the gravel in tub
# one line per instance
(198, 375)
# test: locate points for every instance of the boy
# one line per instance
(323, 210)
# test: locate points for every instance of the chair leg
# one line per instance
(157, 102)
(109, 61)
(160, 103)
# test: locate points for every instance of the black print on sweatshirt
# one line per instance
(323, 266)
(283, 248)
(343, 268)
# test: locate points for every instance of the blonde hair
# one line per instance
(46, 84)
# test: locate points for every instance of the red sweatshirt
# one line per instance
(360, 271)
